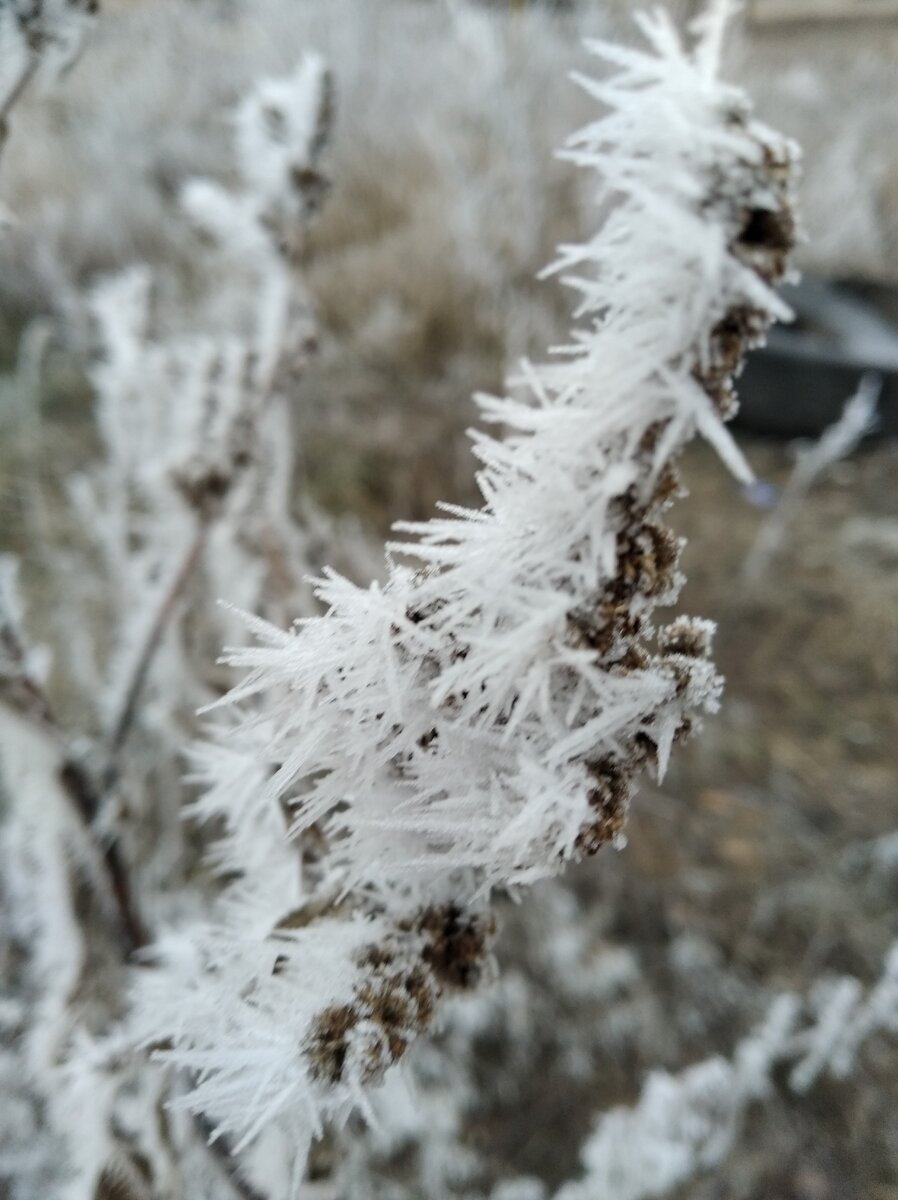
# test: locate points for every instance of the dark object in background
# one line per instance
(799, 382)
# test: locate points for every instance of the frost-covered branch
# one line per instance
(36, 35)
(190, 501)
(194, 424)
(20, 683)
(481, 719)
(685, 1124)
(23, 693)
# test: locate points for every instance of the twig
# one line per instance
(124, 722)
(33, 703)
(13, 97)
(837, 441)
(220, 1150)
(27, 697)
(87, 802)
(31, 700)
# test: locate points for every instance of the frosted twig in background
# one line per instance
(481, 719)
(195, 426)
(21, 430)
(191, 500)
(837, 442)
(23, 696)
(685, 1124)
(36, 35)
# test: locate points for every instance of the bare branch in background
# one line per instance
(837, 442)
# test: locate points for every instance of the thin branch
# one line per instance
(13, 98)
(220, 1150)
(837, 441)
(125, 720)
(87, 802)
(25, 695)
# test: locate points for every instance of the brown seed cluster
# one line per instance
(767, 236)
(455, 945)
(609, 800)
(440, 949)
(647, 557)
(686, 637)
(613, 624)
(738, 331)
(764, 240)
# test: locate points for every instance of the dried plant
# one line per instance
(191, 501)
(37, 35)
(840, 439)
(687, 1123)
(480, 720)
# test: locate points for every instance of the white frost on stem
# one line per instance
(685, 1124)
(38, 35)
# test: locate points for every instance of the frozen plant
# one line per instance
(191, 501)
(481, 719)
(685, 1124)
(37, 35)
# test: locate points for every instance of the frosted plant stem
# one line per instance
(15, 95)
(86, 801)
(220, 1150)
(22, 691)
(36, 32)
(685, 1124)
(26, 696)
(835, 443)
(128, 712)
(483, 716)
(192, 502)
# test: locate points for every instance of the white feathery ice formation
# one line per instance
(478, 720)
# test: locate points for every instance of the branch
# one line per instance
(687, 1123)
(220, 1150)
(483, 717)
(26, 696)
(125, 720)
(14, 96)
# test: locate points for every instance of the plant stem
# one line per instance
(27, 697)
(124, 722)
